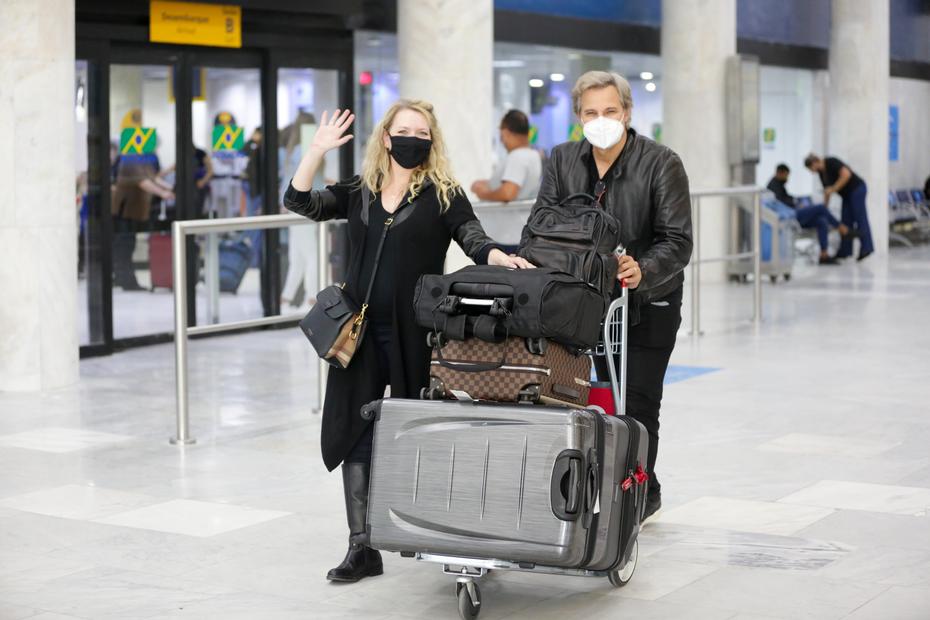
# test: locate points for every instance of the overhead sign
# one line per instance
(137, 141)
(217, 25)
(228, 138)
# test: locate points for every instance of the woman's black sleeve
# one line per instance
(330, 203)
(467, 231)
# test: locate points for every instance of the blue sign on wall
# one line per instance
(894, 121)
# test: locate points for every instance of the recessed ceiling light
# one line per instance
(650, 86)
(646, 75)
(536, 83)
(556, 77)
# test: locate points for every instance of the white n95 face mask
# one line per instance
(604, 132)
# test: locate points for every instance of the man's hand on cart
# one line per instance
(628, 272)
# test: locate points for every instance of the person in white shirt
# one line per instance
(519, 176)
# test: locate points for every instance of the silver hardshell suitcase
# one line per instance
(528, 484)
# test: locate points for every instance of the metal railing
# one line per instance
(212, 227)
(755, 254)
(502, 230)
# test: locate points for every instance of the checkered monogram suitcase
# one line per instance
(515, 370)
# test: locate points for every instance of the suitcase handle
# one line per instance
(468, 366)
(574, 487)
(567, 486)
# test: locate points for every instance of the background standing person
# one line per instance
(645, 187)
(814, 216)
(408, 186)
(518, 177)
(838, 178)
(135, 184)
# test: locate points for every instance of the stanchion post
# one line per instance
(179, 267)
(757, 258)
(696, 266)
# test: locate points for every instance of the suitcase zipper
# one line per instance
(636, 477)
(508, 367)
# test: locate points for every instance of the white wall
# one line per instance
(647, 107)
(913, 166)
(791, 104)
(158, 112)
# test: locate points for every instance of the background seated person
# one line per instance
(816, 216)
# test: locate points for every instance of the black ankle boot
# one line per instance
(361, 561)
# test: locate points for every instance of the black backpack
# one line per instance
(576, 236)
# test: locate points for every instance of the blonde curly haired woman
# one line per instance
(406, 176)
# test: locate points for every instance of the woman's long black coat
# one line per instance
(422, 232)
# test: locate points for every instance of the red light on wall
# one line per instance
(364, 78)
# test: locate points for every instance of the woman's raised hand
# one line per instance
(328, 135)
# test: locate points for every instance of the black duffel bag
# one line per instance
(492, 303)
(577, 236)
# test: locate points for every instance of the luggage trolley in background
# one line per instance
(468, 571)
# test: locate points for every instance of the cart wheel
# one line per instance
(773, 278)
(469, 600)
(787, 277)
(622, 576)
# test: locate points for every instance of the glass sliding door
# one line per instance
(226, 111)
(142, 135)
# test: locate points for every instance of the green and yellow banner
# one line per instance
(137, 141)
(575, 132)
(228, 138)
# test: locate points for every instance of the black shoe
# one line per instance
(863, 256)
(653, 505)
(132, 286)
(361, 561)
(828, 260)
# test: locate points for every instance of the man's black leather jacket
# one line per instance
(647, 192)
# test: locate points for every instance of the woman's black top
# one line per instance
(381, 304)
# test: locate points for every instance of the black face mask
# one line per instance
(410, 151)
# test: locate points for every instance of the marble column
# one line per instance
(858, 101)
(38, 216)
(445, 50)
(697, 38)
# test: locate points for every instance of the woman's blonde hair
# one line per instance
(436, 168)
(603, 79)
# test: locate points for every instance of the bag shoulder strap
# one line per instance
(585, 195)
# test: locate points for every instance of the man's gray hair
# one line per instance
(602, 79)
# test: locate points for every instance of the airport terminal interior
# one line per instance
(161, 421)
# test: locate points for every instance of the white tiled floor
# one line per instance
(863, 496)
(193, 518)
(60, 439)
(796, 479)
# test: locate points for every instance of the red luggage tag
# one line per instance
(626, 484)
(640, 475)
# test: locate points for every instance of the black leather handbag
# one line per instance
(336, 325)
(576, 236)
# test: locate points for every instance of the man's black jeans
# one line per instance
(650, 345)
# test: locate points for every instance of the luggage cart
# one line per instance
(468, 571)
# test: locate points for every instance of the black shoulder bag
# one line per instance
(335, 325)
